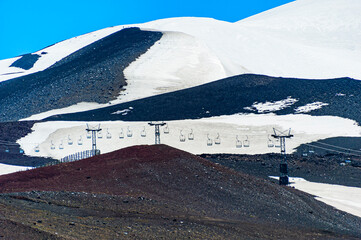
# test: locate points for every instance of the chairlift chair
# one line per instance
(246, 142)
(277, 143)
(70, 141)
(88, 135)
(209, 141)
(182, 138)
(21, 150)
(129, 132)
(7, 150)
(52, 146)
(61, 146)
(143, 133)
(109, 135)
(191, 135)
(217, 140)
(37, 148)
(270, 143)
(80, 141)
(166, 129)
(121, 134)
(238, 142)
(100, 135)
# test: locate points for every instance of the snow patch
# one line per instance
(272, 106)
(7, 169)
(310, 107)
(341, 197)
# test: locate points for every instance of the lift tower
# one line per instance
(94, 131)
(283, 165)
(157, 132)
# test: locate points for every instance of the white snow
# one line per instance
(54, 54)
(254, 127)
(175, 62)
(302, 39)
(272, 106)
(310, 107)
(6, 169)
(344, 198)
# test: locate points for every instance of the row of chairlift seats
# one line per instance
(89, 136)
(182, 138)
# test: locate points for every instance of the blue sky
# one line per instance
(27, 26)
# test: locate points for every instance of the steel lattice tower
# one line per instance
(283, 166)
(94, 131)
(157, 131)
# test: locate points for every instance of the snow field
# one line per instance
(254, 128)
(7, 169)
(175, 62)
(344, 198)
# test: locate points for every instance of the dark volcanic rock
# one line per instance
(232, 95)
(92, 74)
(150, 191)
(10, 151)
(26, 61)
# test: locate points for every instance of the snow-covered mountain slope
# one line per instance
(175, 62)
(91, 74)
(303, 39)
(54, 53)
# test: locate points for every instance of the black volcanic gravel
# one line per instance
(10, 152)
(232, 95)
(92, 74)
(26, 61)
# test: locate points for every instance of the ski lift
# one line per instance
(182, 138)
(109, 135)
(209, 141)
(37, 148)
(121, 134)
(129, 132)
(270, 143)
(143, 133)
(100, 135)
(217, 140)
(191, 135)
(166, 129)
(61, 146)
(80, 141)
(7, 150)
(246, 142)
(277, 143)
(238, 142)
(52, 146)
(70, 141)
(21, 150)
(88, 135)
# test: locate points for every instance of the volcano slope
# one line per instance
(158, 192)
(91, 74)
(11, 152)
(236, 95)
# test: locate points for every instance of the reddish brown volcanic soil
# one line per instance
(158, 192)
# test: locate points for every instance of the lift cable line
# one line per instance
(347, 149)
(332, 150)
(157, 132)
(282, 135)
(93, 131)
